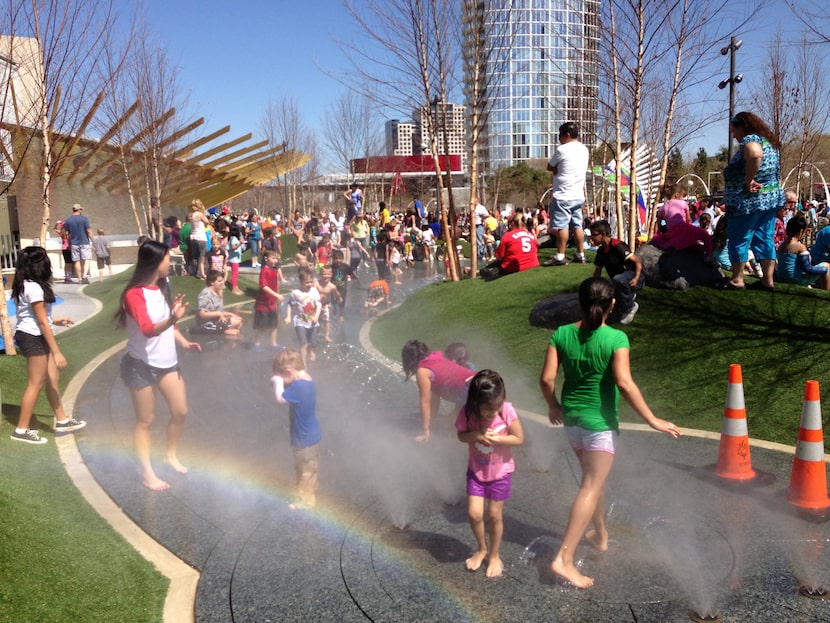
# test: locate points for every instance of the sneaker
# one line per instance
(30, 436)
(70, 425)
(580, 260)
(629, 315)
(85, 281)
(554, 262)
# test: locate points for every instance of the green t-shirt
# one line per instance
(589, 395)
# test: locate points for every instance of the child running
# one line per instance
(489, 426)
(595, 358)
(293, 386)
(33, 294)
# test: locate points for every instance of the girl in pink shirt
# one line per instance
(490, 426)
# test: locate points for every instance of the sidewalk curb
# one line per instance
(179, 605)
(538, 418)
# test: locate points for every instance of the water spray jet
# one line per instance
(814, 592)
(708, 617)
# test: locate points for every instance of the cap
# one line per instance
(77, 207)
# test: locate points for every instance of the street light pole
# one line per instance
(732, 80)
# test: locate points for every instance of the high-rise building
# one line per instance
(452, 126)
(399, 138)
(538, 62)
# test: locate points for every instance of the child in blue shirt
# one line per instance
(293, 386)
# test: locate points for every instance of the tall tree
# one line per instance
(404, 56)
(282, 123)
(68, 37)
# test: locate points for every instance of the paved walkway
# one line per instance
(390, 535)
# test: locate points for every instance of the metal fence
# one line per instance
(9, 248)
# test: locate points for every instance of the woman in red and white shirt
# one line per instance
(150, 315)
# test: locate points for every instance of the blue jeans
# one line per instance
(480, 241)
(624, 292)
(254, 246)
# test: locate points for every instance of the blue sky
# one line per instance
(235, 56)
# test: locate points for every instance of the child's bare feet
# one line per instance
(173, 462)
(570, 573)
(494, 567)
(154, 483)
(312, 356)
(598, 541)
(474, 561)
(328, 339)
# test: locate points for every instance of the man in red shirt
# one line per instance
(516, 252)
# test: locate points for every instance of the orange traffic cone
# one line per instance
(734, 462)
(808, 482)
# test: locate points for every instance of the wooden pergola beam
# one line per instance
(68, 153)
(189, 149)
(105, 139)
(129, 144)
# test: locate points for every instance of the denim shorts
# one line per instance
(137, 374)
(592, 440)
(566, 214)
(496, 490)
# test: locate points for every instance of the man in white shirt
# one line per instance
(568, 165)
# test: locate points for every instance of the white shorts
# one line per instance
(591, 440)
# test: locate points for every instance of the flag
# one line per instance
(610, 175)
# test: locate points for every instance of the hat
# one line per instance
(77, 207)
(225, 210)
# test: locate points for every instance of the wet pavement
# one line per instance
(388, 539)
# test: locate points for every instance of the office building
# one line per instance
(539, 70)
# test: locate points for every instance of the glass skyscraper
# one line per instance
(539, 62)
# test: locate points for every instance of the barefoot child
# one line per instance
(489, 425)
(328, 295)
(293, 386)
(595, 359)
(303, 310)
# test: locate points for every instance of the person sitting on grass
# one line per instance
(211, 317)
(517, 251)
(624, 268)
(794, 265)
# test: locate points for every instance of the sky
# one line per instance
(236, 56)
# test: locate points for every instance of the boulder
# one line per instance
(556, 311)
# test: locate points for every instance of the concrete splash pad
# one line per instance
(680, 539)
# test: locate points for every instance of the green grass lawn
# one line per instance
(682, 343)
(59, 561)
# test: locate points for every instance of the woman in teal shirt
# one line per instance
(595, 359)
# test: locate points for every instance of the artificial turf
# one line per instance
(682, 343)
(60, 562)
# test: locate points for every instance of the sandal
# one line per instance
(728, 285)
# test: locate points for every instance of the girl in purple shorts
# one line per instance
(489, 426)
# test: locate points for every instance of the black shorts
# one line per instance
(265, 320)
(137, 374)
(31, 345)
(103, 261)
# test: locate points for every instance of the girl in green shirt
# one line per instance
(595, 358)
